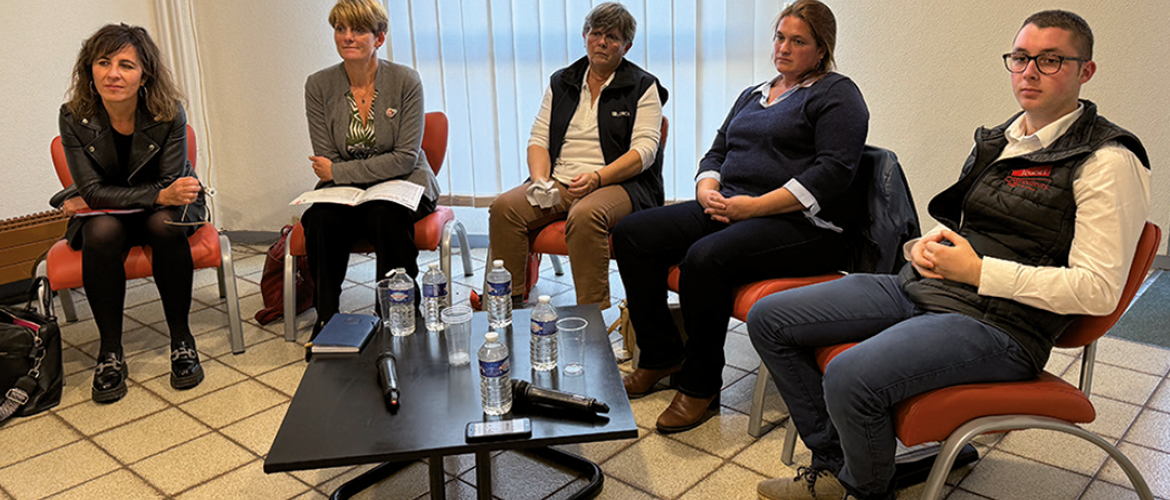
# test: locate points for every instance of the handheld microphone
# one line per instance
(388, 376)
(523, 392)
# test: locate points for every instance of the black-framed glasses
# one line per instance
(1047, 64)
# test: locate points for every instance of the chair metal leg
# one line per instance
(556, 261)
(1135, 476)
(290, 298)
(445, 255)
(67, 305)
(756, 414)
(789, 443)
(228, 284)
(932, 489)
(219, 278)
(464, 248)
(1088, 360)
(966, 432)
(453, 226)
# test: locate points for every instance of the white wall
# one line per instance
(38, 47)
(256, 55)
(930, 72)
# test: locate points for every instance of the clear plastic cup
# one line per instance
(572, 349)
(457, 329)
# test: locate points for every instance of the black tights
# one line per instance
(106, 239)
(331, 231)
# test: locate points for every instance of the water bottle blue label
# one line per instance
(439, 290)
(402, 297)
(543, 328)
(494, 368)
(500, 289)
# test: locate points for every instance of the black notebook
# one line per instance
(345, 334)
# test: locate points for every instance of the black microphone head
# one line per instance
(520, 392)
(519, 387)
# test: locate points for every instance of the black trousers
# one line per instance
(104, 242)
(713, 259)
(332, 230)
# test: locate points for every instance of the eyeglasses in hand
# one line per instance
(183, 218)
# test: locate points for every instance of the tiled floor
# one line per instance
(210, 442)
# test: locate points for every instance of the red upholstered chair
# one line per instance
(745, 297)
(551, 239)
(960, 413)
(209, 249)
(433, 231)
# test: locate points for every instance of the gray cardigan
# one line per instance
(398, 126)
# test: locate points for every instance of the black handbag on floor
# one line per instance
(31, 375)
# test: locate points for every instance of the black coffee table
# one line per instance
(338, 417)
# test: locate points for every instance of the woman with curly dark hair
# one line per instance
(124, 134)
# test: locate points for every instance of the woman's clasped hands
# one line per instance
(727, 210)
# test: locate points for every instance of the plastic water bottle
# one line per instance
(401, 303)
(434, 290)
(544, 336)
(499, 295)
(495, 381)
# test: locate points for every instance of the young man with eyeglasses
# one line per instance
(1040, 227)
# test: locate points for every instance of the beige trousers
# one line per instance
(587, 223)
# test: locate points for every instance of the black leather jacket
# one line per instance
(158, 156)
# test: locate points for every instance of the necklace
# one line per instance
(365, 91)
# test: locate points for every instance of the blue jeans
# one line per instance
(845, 416)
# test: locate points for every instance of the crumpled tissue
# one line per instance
(542, 194)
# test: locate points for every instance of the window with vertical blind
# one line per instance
(486, 63)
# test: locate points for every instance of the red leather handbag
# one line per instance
(272, 282)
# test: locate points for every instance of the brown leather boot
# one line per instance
(686, 413)
(641, 382)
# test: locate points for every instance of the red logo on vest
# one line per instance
(1034, 178)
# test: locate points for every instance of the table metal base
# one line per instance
(483, 475)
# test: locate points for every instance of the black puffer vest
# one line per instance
(1019, 209)
(617, 106)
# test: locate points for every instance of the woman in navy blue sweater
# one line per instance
(769, 203)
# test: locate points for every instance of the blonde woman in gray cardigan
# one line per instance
(366, 125)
